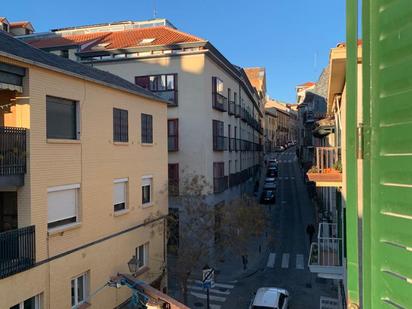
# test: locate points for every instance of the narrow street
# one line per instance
(286, 264)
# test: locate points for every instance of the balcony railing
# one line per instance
(232, 144)
(220, 184)
(12, 151)
(172, 143)
(220, 143)
(219, 102)
(238, 144)
(326, 254)
(326, 170)
(237, 110)
(17, 251)
(231, 110)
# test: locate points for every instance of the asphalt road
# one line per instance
(285, 266)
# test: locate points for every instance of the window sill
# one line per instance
(121, 212)
(147, 144)
(64, 228)
(62, 141)
(147, 205)
(121, 143)
(141, 271)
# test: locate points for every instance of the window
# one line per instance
(164, 86)
(120, 125)
(174, 179)
(79, 289)
(62, 203)
(120, 194)
(173, 134)
(147, 183)
(147, 129)
(219, 140)
(219, 181)
(219, 100)
(142, 254)
(30, 303)
(65, 53)
(61, 118)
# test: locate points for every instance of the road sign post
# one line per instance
(208, 282)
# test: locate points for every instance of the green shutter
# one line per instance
(387, 106)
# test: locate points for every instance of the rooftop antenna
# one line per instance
(154, 9)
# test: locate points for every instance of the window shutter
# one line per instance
(124, 125)
(61, 205)
(150, 128)
(214, 84)
(119, 193)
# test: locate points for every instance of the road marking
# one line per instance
(199, 288)
(212, 306)
(271, 260)
(299, 261)
(285, 260)
(293, 178)
(286, 178)
(220, 285)
(211, 297)
(283, 202)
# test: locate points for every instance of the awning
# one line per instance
(4, 86)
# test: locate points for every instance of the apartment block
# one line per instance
(215, 115)
(83, 164)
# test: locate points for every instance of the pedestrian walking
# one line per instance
(310, 230)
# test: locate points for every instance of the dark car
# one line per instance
(268, 197)
(272, 172)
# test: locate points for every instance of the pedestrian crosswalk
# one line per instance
(286, 261)
(217, 294)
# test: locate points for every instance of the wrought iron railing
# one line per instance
(12, 151)
(220, 143)
(327, 159)
(328, 249)
(17, 250)
(219, 102)
(220, 184)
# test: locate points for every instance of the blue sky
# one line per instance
(291, 38)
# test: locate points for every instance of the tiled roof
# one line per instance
(16, 24)
(15, 48)
(120, 39)
(255, 76)
(307, 84)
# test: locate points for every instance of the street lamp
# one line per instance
(133, 265)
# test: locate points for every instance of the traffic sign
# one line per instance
(208, 279)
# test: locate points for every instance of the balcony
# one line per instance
(237, 110)
(327, 170)
(220, 143)
(17, 251)
(12, 156)
(219, 102)
(325, 256)
(232, 144)
(220, 184)
(231, 110)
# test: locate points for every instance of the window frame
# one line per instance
(76, 124)
(67, 221)
(38, 302)
(145, 248)
(143, 185)
(173, 182)
(174, 137)
(148, 84)
(120, 130)
(144, 137)
(124, 181)
(85, 277)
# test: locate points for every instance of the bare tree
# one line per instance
(192, 235)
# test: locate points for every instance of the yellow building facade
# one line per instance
(81, 206)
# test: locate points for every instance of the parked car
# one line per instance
(268, 196)
(270, 179)
(279, 148)
(272, 163)
(269, 186)
(270, 298)
(272, 172)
